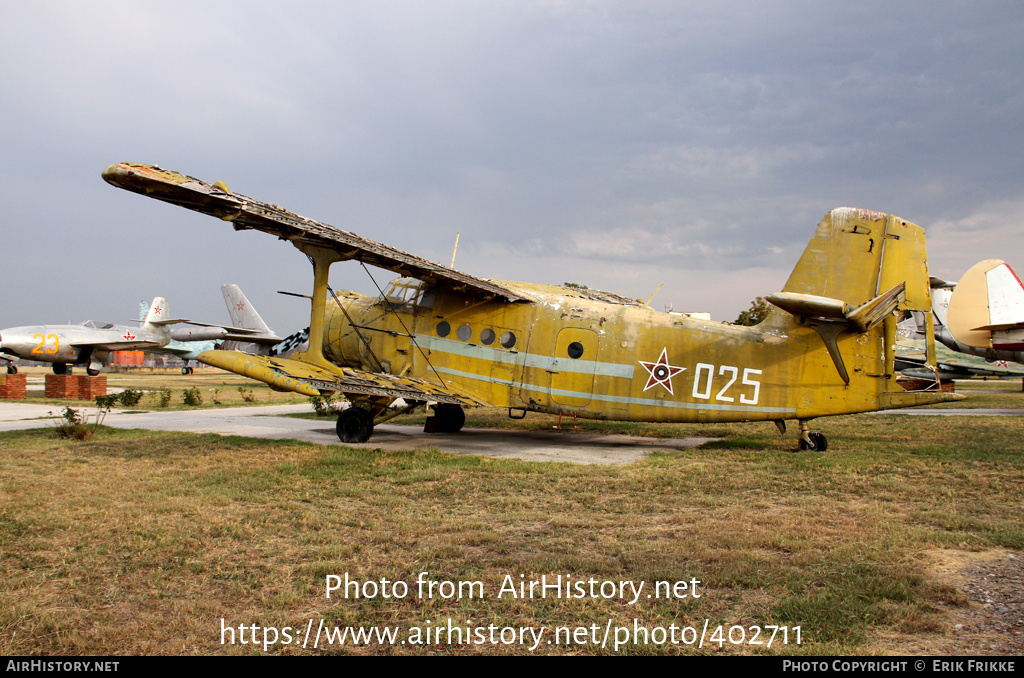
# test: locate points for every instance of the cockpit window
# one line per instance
(97, 325)
(408, 294)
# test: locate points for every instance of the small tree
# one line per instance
(756, 313)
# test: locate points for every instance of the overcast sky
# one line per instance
(613, 144)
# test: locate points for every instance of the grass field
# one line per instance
(165, 543)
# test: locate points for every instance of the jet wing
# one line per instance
(308, 379)
(247, 213)
(243, 334)
(976, 370)
(915, 366)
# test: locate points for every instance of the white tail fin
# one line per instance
(241, 311)
(158, 313)
(986, 310)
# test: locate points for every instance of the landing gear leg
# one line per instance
(812, 441)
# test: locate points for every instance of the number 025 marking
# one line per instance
(704, 375)
(41, 347)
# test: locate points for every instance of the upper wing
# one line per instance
(308, 379)
(245, 213)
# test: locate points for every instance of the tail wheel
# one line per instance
(355, 425)
(814, 441)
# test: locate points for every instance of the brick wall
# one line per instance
(12, 386)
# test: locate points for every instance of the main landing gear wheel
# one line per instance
(186, 370)
(61, 369)
(813, 441)
(451, 418)
(91, 372)
(355, 425)
(11, 369)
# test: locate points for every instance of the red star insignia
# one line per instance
(661, 372)
(128, 336)
(157, 310)
(240, 305)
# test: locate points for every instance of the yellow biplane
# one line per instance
(450, 340)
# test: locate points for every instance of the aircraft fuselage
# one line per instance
(77, 344)
(563, 353)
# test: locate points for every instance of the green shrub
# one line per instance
(192, 397)
(130, 397)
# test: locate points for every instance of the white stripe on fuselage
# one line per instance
(506, 357)
(653, 402)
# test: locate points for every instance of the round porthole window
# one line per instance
(443, 329)
(487, 337)
(575, 350)
(464, 333)
(508, 339)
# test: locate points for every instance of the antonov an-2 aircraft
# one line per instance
(440, 336)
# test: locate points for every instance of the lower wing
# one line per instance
(308, 379)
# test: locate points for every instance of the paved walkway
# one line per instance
(266, 422)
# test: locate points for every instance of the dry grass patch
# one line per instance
(141, 542)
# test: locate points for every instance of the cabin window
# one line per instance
(408, 294)
(443, 329)
(464, 333)
(508, 339)
(575, 350)
(487, 337)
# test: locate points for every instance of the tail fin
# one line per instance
(241, 311)
(858, 269)
(986, 310)
(856, 255)
(158, 313)
(243, 316)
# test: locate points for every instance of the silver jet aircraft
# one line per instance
(88, 344)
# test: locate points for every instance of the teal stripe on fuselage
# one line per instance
(506, 357)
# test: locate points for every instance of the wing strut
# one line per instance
(322, 259)
(344, 310)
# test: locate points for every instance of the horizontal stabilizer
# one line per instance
(866, 316)
(860, 319)
(1000, 328)
(831, 317)
(810, 305)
